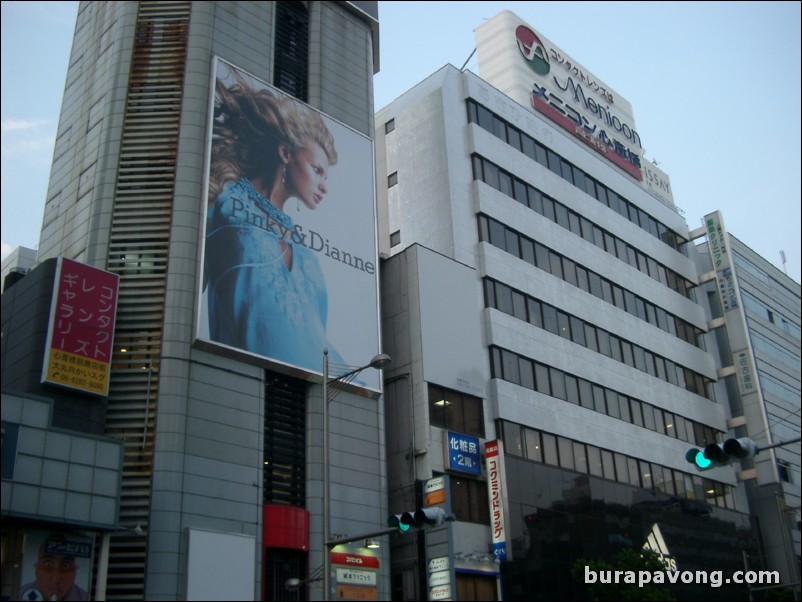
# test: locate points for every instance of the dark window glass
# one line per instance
(615, 348)
(527, 373)
(623, 405)
(528, 146)
(595, 285)
(609, 243)
(499, 128)
(542, 257)
(535, 316)
(566, 171)
(550, 318)
(557, 383)
(555, 265)
(542, 379)
(587, 230)
(577, 331)
(392, 179)
(575, 225)
(514, 138)
(490, 293)
(291, 49)
(571, 389)
(621, 468)
(582, 279)
(485, 119)
(608, 465)
(626, 351)
(505, 183)
(389, 126)
(590, 337)
(503, 298)
(604, 342)
(563, 323)
(512, 242)
(579, 178)
(636, 411)
(612, 200)
(541, 155)
(599, 403)
(548, 209)
(607, 291)
(554, 162)
(491, 174)
(509, 362)
(527, 250)
(585, 393)
(519, 192)
(498, 237)
(550, 449)
(534, 450)
(535, 199)
(580, 458)
(648, 417)
(478, 168)
(569, 271)
(646, 474)
(566, 449)
(640, 357)
(519, 305)
(634, 471)
(595, 460)
(613, 406)
(561, 213)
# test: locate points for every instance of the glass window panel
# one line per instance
(571, 389)
(569, 270)
(623, 405)
(478, 168)
(498, 237)
(437, 411)
(509, 362)
(618, 297)
(548, 209)
(535, 317)
(615, 348)
(561, 213)
(512, 242)
(599, 403)
(514, 138)
(607, 291)
(626, 352)
(566, 170)
(590, 186)
(613, 407)
(564, 325)
(490, 293)
(541, 155)
(513, 442)
(580, 458)
(491, 174)
(648, 417)
(484, 229)
(668, 422)
(550, 449)
(640, 308)
(634, 471)
(601, 194)
(503, 298)
(527, 373)
(582, 280)
(495, 362)
(535, 200)
(528, 146)
(566, 448)
(527, 250)
(650, 363)
(620, 249)
(598, 237)
(645, 474)
(533, 450)
(542, 257)
(579, 178)
(577, 331)
(575, 225)
(609, 243)
(554, 162)
(595, 285)
(542, 379)
(637, 413)
(590, 337)
(585, 393)
(587, 229)
(555, 263)
(550, 319)
(594, 461)
(557, 383)
(499, 128)
(505, 183)
(621, 468)
(474, 415)
(632, 257)
(604, 342)
(612, 200)
(608, 465)
(519, 305)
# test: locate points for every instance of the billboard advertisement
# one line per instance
(55, 566)
(80, 336)
(290, 257)
(525, 65)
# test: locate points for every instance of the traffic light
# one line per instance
(434, 516)
(721, 454)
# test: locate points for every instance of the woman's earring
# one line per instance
(284, 175)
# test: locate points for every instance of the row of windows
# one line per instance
(455, 411)
(542, 315)
(531, 197)
(763, 346)
(540, 256)
(779, 291)
(759, 308)
(548, 380)
(546, 448)
(524, 143)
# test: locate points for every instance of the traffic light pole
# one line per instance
(780, 444)
(352, 538)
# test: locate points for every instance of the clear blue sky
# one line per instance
(714, 86)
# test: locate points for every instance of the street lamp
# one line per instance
(379, 361)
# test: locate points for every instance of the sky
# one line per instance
(714, 86)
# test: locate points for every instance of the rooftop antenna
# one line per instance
(782, 258)
(468, 59)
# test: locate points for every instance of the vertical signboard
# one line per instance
(497, 496)
(356, 575)
(290, 254)
(80, 336)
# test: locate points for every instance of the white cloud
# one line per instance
(26, 138)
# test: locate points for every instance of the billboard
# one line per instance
(55, 566)
(80, 336)
(290, 255)
(526, 66)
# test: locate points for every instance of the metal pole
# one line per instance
(325, 417)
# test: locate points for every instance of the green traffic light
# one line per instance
(395, 521)
(697, 457)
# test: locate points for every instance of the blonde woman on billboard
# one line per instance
(266, 290)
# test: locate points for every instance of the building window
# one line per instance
(456, 411)
(389, 126)
(392, 179)
(395, 238)
(291, 67)
(469, 500)
(784, 470)
(285, 442)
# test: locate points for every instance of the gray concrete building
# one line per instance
(221, 494)
(552, 356)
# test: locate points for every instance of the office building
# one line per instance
(552, 356)
(221, 493)
(757, 312)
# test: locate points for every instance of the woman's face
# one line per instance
(307, 171)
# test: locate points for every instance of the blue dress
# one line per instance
(256, 301)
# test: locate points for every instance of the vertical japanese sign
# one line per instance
(81, 331)
(496, 491)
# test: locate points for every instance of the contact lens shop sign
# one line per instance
(81, 331)
(290, 254)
